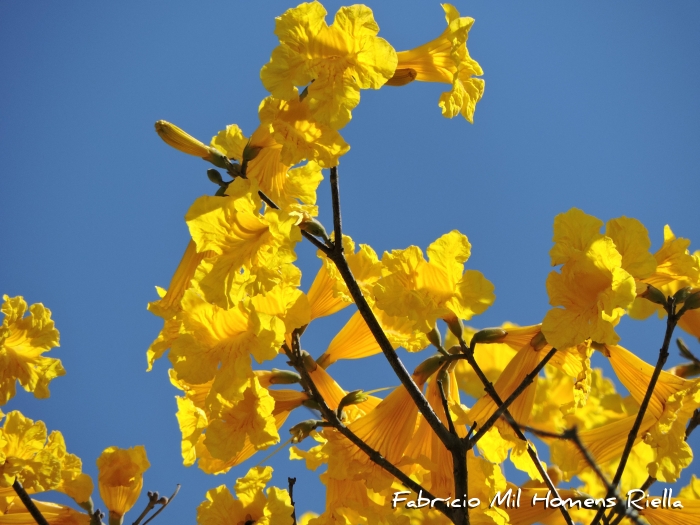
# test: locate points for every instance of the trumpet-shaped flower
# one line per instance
(446, 60)
(242, 240)
(251, 505)
(23, 340)
(120, 479)
(425, 291)
(334, 62)
(276, 178)
(17, 514)
(24, 455)
(592, 289)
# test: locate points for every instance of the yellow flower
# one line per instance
(245, 243)
(676, 268)
(181, 141)
(17, 514)
(592, 289)
(335, 61)
(22, 341)
(24, 455)
(425, 291)
(120, 479)
(275, 178)
(252, 505)
(446, 59)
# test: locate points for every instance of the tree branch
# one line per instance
(527, 380)
(291, 482)
(331, 417)
(29, 504)
(671, 321)
(341, 263)
(491, 391)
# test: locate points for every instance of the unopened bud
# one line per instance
(402, 77)
(681, 295)
(352, 398)
(455, 326)
(250, 152)
(488, 336)
(435, 338)
(692, 302)
(538, 342)
(186, 143)
(654, 295)
(314, 227)
(312, 404)
(284, 377)
(215, 177)
(301, 431)
(427, 368)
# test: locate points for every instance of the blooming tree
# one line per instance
(235, 303)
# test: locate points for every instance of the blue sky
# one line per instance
(587, 104)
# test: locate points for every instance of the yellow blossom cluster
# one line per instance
(235, 303)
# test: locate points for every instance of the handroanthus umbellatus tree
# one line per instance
(418, 454)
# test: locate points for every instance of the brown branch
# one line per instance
(671, 321)
(527, 380)
(341, 263)
(445, 404)
(331, 417)
(164, 502)
(571, 434)
(491, 391)
(291, 482)
(29, 504)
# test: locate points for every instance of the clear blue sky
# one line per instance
(587, 104)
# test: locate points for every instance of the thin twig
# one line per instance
(29, 504)
(571, 434)
(446, 406)
(153, 498)
(527, 380)
(490, 390)
(332, 418)
(671, 321)
(291, 482)
(165, 504)
(363, 307)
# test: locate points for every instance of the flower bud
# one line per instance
(308, 361)
(435, 338)
(654, 295)
(314, 227)
(538, 342)
(215, 177)
(427, 368)
(692, 301)
(352, 398)
(488, 336)
(402, 77)
(277, 377)
(681, 295)
(182, 141)
(455, 326)
(301, 431)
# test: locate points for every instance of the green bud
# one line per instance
(427, 368)
(435, 338)
(309, 362)
(489, 335)
(215, 177)
(250, 152)
(352, 398)
(284, 377)
(681, 295)
(301, 431)
(87, 505)
(455, 326)
(654, 295)
(312, 404)
(686, 370)
(692, 301)
(314, 227)
(218, 159)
